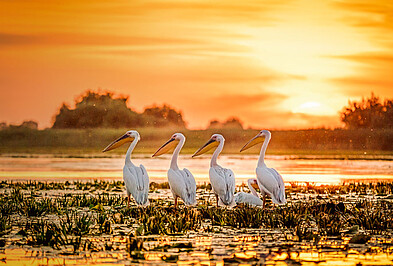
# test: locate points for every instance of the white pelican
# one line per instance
(221, 179)
(135, 178)
(269, 180)
(181, 182)
(249, 198)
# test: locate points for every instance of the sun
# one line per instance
(309, 108)
(310, 105)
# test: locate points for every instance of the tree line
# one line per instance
(95, 109)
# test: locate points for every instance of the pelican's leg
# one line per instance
(128, 201)
(264, 201)
(217, 199)
(175, 202)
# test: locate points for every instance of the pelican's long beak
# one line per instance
(254, 141)
(205, 148)
(118, 142)
(254, 184)
(167, 147)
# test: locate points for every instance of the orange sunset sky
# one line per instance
(273, 64)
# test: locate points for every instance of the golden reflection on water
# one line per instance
(250, 239)
(17, 257)
(164, 240)
(203, 241)
(245, 255)
(335, 256)
(153, 256)
(119, 239)
(293, 170)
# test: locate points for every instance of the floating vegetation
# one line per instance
(73, 218)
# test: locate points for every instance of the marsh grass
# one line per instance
(68, 220)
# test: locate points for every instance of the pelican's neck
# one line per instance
(218, 150)
(252, 189)
(129, 151)
(261, 161)
(176, 154)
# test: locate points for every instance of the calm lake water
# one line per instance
(293, 170)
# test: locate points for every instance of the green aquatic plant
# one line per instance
(292, 216)
(185, 219)
(134, 243)
(82, 224)
(7, 207)
(43, 233)
(246, 216)
(5, 224)
(376, 219)
(32, 207)
(17, 195)
(153, 221)
(103, 222)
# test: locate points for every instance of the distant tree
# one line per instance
(232, 122)
(165, 115)
(94, 109)
(215, 124)
(368, 113)
(3, 125)
(29, 124)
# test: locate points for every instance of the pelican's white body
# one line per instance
(223, 184)
(249, 198)
(222, 179)
(136, 178)
(181, 182)
(269, 180)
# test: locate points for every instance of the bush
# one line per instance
(368, 113)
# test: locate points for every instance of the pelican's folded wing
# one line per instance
(190, 193)
(176, 182)
(135, 181)
(146, 183)
(223, 183)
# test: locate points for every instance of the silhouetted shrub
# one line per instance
(368, 113)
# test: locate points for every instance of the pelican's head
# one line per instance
(260, 137)
(253, 181)
(210, 144)
(129, 136)
(170, 144)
